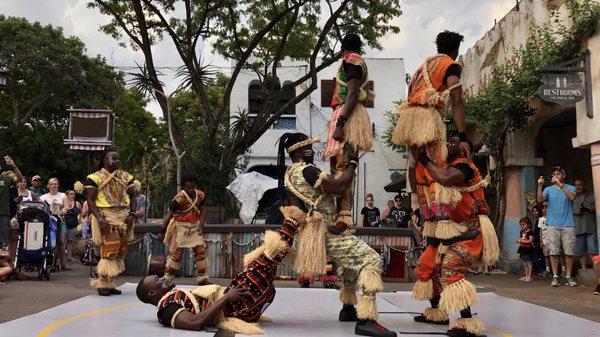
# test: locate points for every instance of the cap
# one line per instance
(559, 169)
(36, 178)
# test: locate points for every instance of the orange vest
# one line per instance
(437, 70)
(473, 203)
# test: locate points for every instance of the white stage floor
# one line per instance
(295, 313)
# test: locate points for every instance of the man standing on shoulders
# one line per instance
(560, 222)
(370, 215)
(349, 129)
(111, 200)
(586, 233)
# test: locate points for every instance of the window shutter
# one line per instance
(327, 92)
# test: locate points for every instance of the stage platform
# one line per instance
(295, 313)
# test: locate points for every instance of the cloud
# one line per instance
(420, 22)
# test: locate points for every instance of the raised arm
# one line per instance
(540, 190)
(338, 186)
(459, 111)
(10, 163)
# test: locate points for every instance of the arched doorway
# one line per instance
(554, 145)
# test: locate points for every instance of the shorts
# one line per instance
(586, 244)
(546, 249)
(71, 233)
(561, 237)
(527, 259)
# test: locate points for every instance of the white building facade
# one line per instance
(311, 116)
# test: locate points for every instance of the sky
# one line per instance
(420, 22)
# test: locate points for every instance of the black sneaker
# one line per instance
(423, 319)
(103, 292)
(348, 314)
(115, 291)
(372, 328)
(459, 333)
(597, 291)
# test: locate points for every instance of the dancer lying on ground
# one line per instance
(237, 307)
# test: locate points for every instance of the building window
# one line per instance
(327, 87)
(277, 96)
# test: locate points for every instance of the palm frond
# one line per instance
(142, 80)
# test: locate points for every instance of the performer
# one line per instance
(310, 196)
(419, 120)
(236, 308)
(457, 237)
(183, 228)
(111, 200)
(349, 129)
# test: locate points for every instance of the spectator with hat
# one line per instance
(560, 222)
(36, 186)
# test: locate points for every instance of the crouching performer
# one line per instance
(310, 196)
(183, 227)
(459, 233)
(236, 308)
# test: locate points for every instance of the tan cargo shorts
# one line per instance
(561, 237)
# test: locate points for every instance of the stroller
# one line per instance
(90, 256)
(36, 245)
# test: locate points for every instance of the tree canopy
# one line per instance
(48, 73)
(256, 36)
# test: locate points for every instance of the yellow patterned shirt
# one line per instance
(112, 188)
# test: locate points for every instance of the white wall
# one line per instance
(375, 167)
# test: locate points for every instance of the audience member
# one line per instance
(596, 260)
(401, 214)
(386, 212)
(23, 194)
(142, 203)
(36, 186)
(370, 215)
(525, 250)
(70, 213)
(5, 266)
(544, 240)
(560, 222)
(56, 200)
(586, 233)
(7, 178)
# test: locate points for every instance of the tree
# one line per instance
(257, 36)
(49, 73)
(509, 100)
